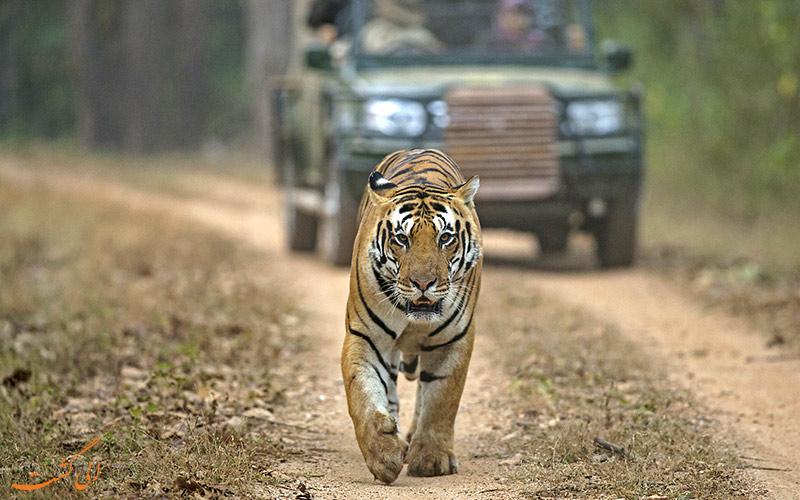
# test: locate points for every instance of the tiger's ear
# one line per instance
(467, 190)
(380, 189)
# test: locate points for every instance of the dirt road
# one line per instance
(724, 362)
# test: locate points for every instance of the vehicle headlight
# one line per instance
(395, 117)
(595, 117)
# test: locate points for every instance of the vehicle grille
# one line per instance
(507, 136)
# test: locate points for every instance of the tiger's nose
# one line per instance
(423, 284)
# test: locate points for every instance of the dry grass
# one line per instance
(741, 287)
(169, 343)
(164, 341)
(574, 380)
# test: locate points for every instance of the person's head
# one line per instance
(516, 20)
(575, 37)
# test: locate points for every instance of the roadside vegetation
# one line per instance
(723, 116)
(597, 417)
(722, 103)
(741, 287)
(166, 342)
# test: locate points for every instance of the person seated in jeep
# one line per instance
(398, 27)
(515, 25)
(536, 26)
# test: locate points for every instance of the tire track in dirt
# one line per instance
(717, 356)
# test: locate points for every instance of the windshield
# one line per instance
(391, 31)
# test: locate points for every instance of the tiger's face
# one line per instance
(426, 241)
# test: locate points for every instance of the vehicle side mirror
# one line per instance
(318, 56)
(617, 57)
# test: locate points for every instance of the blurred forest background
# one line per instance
(140, 76)
(148, 76)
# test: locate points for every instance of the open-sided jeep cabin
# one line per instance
(514, 90)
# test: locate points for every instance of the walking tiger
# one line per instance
(414, 282)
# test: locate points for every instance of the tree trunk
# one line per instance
(144, 27)
(140, 72)
(96, 66)
(9, 15)
(79, 55)
(194, 61)
(267, 52)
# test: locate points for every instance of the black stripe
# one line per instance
(378, 373)
(417, 160)
(375, 319)
(458, 337)
(446, 323)
(438, 207)
(468, 227)
(411, 367)
(386, 288)
(381, 244)
(399, 173)
(417, 189)
(459, 310)
(442, 156)
(429, 377)
(454, 170)
(372, 345)
(410, 197)
(393, 376)
(423, 181)
(388, 161)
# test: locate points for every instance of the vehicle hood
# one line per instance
(434, 80)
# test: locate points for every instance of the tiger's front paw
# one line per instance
(385, 449)
(425, 460)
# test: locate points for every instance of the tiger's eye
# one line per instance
(401, 238)
(445, 238)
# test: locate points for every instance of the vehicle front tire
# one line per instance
(616, 237)
(301, 227)
(337, 228)
(553, 241)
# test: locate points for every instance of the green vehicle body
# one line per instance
(585, 181)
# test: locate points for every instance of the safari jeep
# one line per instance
(524, 102)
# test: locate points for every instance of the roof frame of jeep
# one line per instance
(358, 15)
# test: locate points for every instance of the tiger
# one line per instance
(414, 282)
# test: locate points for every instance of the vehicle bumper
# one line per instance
(609, 170)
